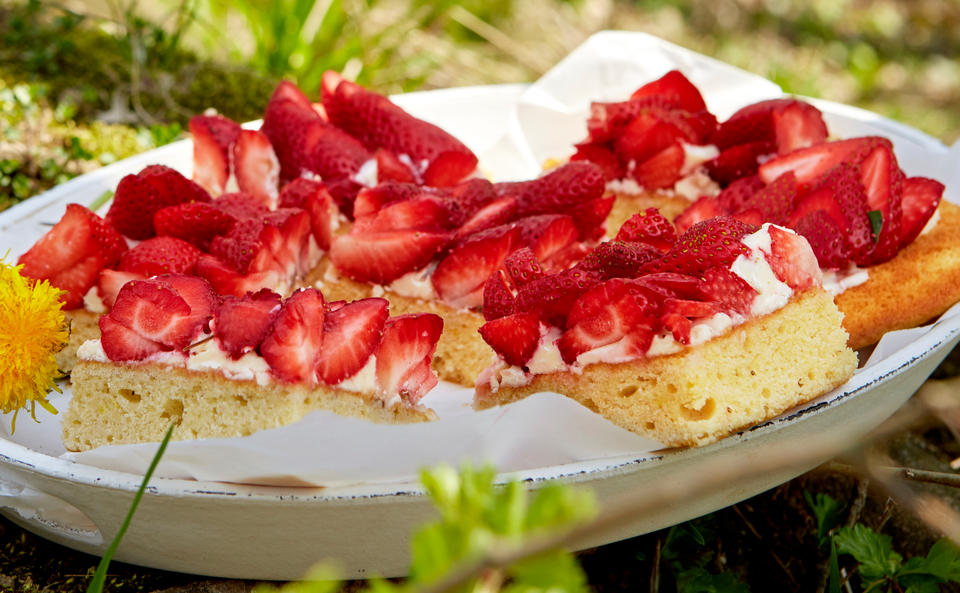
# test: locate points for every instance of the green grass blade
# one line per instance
(100, 576)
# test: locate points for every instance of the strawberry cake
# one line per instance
(682, 339)
(773, 161)
(173, 350)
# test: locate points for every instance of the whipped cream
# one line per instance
(416, 284)
(92, 301)
(367, 174)
(837, 281)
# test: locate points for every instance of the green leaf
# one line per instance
(555, 572)
(827, 512)
(322, 578)
(876, 223)
(100, 576)
(872, 550)
(833, 585)
(941, 565)
(699, 580)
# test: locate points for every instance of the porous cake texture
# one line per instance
(83, 327)
(123, 403)
(701, 394)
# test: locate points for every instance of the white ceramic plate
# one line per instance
(255, 532)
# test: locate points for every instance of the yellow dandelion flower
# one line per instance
(32, 330)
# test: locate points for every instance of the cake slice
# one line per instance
(685, 341)
(172, 350)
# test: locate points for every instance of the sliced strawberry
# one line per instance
(552, 296)
(620, 259)
(661, 170)
(604, 315)
(240, 206)
(649, 227)
(199, 295)
(678, 325)
(602, 157)
(670, 284)
(823, 200)
(466, 199)
(289, 245)
(811, 163)
(826, 239)
(557, 191)
(256, 166)
(645, 136)
(523, 267)
(287, 118)
(675, 88)
(497, 212)
(775, 200)
(729, 291)
(459, 277)
(383, 257)
(111, 281)
(405, 353)
(122, 343)
(332, 153)
(292, 345)
(161, 255)
(228, 281)
(705, 208)
(753, 123)
(426, 214)
(156, 310)
(110, 242)
(750, 216)
(213, 137)
(139, 196)
(883, 185)
(391, 168)
(921, 196)
(736, 162)
(547, 234)
(590, 217)
(378, 123)
(514, 338)
(287, 90)
(68, 256)
(593, 304)
(792, 260)
(607, 120)
(843, 182)
(313, 197)
(688, 308)
(498, 300)
(351, 333)
(734, 197)
(371, 200)
(241, 324)
(195, 222)
(798, 125)
(713, 242)
(76, 280)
